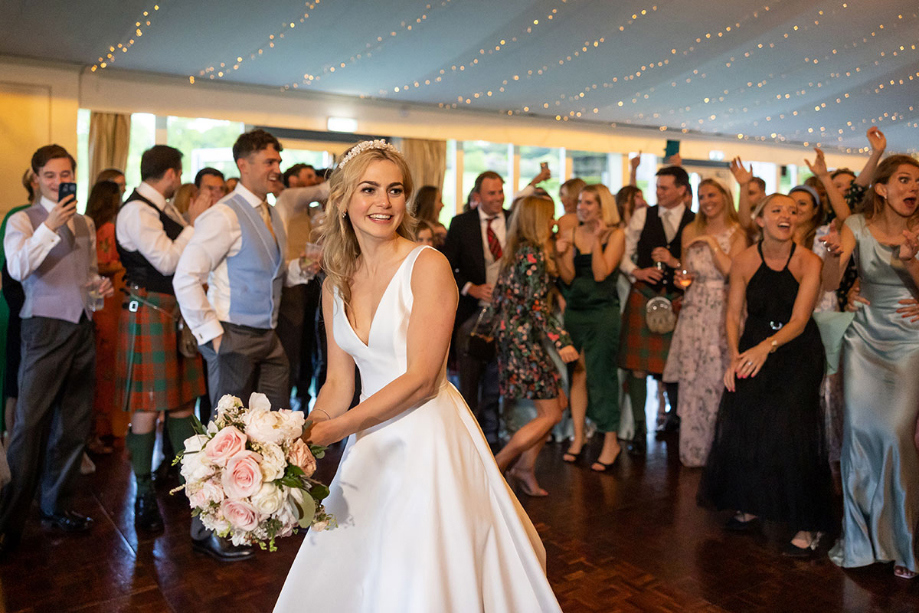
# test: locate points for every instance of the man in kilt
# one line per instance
(652, 252)
(153, 375)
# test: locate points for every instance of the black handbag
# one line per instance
(481, 345)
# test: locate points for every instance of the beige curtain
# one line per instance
(109, 136)
(427, 159)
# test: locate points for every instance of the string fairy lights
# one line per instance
(478, 60)
(111, 55)
(220, 70)
(373, 46)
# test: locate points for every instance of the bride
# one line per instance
(426, 521)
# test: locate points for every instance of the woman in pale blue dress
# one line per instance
(879, 463)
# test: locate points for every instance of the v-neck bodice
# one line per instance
(384, 356)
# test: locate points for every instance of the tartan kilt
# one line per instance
(639, 348)
(152, 374)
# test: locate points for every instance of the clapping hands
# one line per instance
(909, 248)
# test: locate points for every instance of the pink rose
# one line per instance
(242, 476)
(241, 515)
(226, 444)
(208, 492)
(300, 455)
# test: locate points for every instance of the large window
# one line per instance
(82, 155)
(479, 156)
(645, 178)
(448, 190)
(143, 136)
(205, 142)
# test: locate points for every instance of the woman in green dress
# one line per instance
(588, 263)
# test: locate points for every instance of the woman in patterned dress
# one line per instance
(525, 323)
(699, 351)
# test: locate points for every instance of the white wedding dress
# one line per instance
(426, 522)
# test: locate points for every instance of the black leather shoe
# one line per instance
(67, 521)
(638, 446)
(222, 549)
(147, 513)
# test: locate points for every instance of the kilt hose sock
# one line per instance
(179, 429)
(638, 396)
(141, 448)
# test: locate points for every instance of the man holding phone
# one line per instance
(51, 250)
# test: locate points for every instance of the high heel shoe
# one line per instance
(573, 458)
(525, 486)
(604, 466)
(793, 551)
(904, 573)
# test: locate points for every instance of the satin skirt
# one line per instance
(427, 524)
(879, 461)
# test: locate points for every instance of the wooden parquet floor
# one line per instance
(630, 540)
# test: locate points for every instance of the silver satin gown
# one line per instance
(880, 464)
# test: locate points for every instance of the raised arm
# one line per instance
(878, 143)
(634, 163)
(837, 200)
(430, 327)
(744, 212)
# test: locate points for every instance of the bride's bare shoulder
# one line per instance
(432, 274)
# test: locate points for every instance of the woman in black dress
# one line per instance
(768, 457)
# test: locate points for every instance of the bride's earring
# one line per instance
(344, 214)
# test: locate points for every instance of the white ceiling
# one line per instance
(788, 70)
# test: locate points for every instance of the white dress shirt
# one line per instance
(138, 228)
(27, 247)
(492, 267)
(293, 205)
(669, 217)
(217, 237)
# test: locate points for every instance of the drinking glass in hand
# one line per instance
(684, 278)
(94, 298)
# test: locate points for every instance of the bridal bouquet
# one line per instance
(248, 476)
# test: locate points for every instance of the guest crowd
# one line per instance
(783, 332)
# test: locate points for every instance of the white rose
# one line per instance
(292, 423)
(273, 461)
(227, 403)
(196, 443)
(195, 467)
(259, 402)
(269, 499)
(264, 427)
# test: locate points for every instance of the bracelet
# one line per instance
(323, 412)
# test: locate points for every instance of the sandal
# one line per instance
(904, 573)
(573, 458)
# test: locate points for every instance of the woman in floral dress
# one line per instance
(699, 351)
(524, 323)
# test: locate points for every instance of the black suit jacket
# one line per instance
(466, 254)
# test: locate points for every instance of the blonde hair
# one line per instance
(340, 249)
(608, 209)
(183, 197)
(530, 225)
(874, 203)
(728, 213)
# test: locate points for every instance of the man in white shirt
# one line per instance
(474, 246)
(51, 249)
(239, 250)
(153, 373)
(652, 250)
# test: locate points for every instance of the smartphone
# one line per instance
(673, 147)
(66, 189)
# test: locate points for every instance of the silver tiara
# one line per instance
(364, 146)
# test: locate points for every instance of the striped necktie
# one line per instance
(494, 245)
